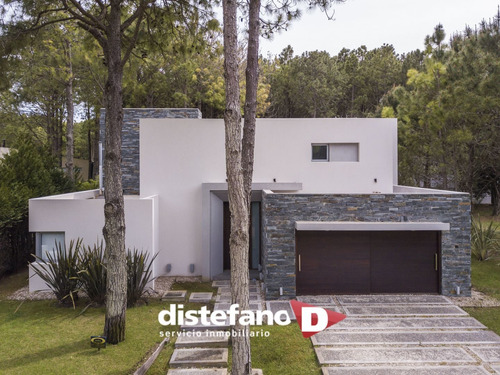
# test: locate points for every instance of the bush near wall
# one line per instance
(28, 171)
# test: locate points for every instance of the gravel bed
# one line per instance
(477, 299)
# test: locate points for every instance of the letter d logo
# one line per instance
(314, 319)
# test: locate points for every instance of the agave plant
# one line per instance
(139, 274)
(484, 240)
(92, 273)
(60, 272)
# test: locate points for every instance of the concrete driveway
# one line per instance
(403, 334)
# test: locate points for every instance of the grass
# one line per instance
(486, 276)
(43, 338)
(484, 212)
(489, 316)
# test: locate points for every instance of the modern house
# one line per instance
(328, 215)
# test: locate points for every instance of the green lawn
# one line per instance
(43, 338)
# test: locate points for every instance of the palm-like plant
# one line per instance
(59, 272)
(139, 275)
(92, 273)
(484, 240)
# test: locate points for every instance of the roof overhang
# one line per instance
(370, 226)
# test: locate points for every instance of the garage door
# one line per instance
(331, 262)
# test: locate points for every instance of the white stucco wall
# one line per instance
(80, 216)
(178, 155)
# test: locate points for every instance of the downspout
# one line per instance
(100, 169)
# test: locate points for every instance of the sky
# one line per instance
(402, 23)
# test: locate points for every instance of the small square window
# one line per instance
(46, 243)
(320, 152)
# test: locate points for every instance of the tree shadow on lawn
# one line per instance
(75, 348)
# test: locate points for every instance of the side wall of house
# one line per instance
(84, 218)
(281, 211)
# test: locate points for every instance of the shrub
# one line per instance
(484, 240)
(60, 272)
(139, 274)
(92, 273)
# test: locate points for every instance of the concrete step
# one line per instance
(202, 339)
(393, 299)
(206, 371)
(331, 337)
(405, 370)
(368, 324)
(174, 296)
(403, 310)
(418, 356)
(199, 357)
(211, 327)
(198, 371)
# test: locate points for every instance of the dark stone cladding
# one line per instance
(281, 211)
(130, 139)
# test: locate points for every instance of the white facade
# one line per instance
(81, 215)
(183, 162)
(179, 213)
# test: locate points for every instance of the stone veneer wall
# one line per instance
(281, 211)
(130, 139)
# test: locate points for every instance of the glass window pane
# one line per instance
(320, 152)
(48, 242)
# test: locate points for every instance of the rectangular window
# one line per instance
(344, 152)
(320, 152)
(46, 243)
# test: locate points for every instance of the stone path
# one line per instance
(202, 350)
(410, 334)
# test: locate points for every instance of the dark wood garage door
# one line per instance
(367, 262)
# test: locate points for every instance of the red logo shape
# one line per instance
(313, 319)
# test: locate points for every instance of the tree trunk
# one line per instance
(70, 115)
(239, 238)
(252, 83)
(495, 198)
(114, 215)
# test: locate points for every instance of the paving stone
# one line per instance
(200, 327)
(387, 355)
(393, 299)
(407, 323)
(317, 300)
(227, 289)
(200, 297)
(374, 310)
(330, 337)
(224, 306)
(174, 295)
(487, 354)
(226, 297)
(276, 306)
(198, 371)
(201, 339)
(218, 283)
(215, 357)
(404, 370)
